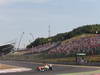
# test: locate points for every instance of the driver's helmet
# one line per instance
(46, 66)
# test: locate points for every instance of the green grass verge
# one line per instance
(38, 57)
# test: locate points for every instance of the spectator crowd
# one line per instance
(84, 44)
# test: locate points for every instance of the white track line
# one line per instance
(15, 70)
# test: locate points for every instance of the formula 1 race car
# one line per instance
(46, 67)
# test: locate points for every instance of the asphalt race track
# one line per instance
(57, 69)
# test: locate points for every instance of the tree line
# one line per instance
(5, 49)
(87, 29)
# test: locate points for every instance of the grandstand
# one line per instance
(84, 43)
